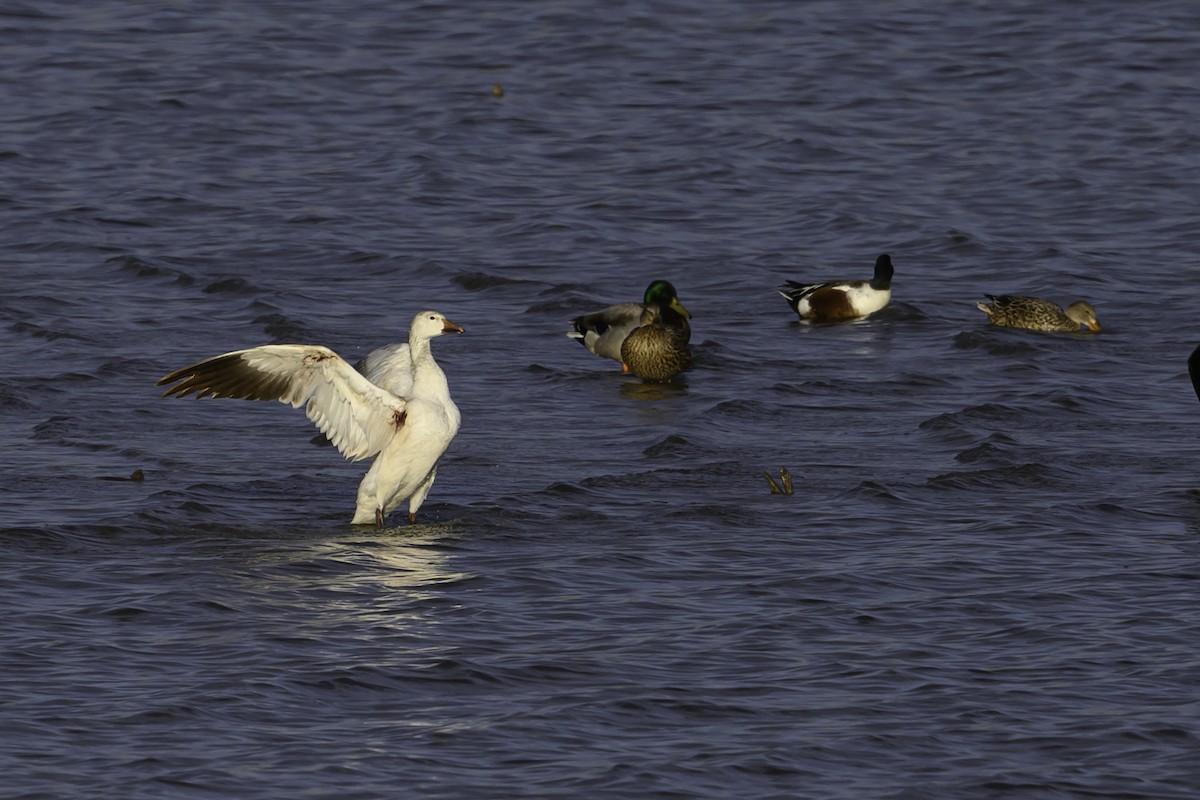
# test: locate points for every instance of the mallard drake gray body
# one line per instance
(1035, 314)
(836, 301)
(406, 434)
(603, 332)
(654, 351)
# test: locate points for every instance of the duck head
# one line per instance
(883, 273)
(1083, 313)
(662, 294)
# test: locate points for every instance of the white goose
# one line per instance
(400, 411)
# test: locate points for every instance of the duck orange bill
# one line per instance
(450, 327)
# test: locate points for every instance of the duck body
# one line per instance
(406, 433)
(603, 332)
(839, 301)
(653, 351)
(1035, 314)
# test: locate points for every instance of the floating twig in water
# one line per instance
(785, 478)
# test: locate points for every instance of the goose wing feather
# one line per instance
(357, 416)
(390, 367)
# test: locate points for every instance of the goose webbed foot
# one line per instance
(379, 518)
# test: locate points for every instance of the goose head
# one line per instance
(428, 324)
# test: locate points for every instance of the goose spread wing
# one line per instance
(357, 416)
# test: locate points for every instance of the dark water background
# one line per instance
(985, 585)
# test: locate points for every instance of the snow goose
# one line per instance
(603, 332)
(835, 301)
(401, 414)
(1035, 314)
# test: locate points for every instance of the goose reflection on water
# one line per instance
(334, 573)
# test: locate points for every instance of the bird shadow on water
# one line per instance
(639, 390)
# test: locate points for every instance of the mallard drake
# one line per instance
(406, 433)
(1035, 314)
(603, 332)
(835, 301)
(654, 351)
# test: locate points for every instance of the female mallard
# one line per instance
(1035, 314)
(654, 351)
(835, 301)
(602, 332)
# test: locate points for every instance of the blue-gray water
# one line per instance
(985, 585)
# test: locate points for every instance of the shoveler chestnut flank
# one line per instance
(837, 301)
(1035, 314)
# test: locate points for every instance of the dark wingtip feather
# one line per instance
(225, 376)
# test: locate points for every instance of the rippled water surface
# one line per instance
(984, 586)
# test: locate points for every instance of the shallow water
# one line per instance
(984, 586)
